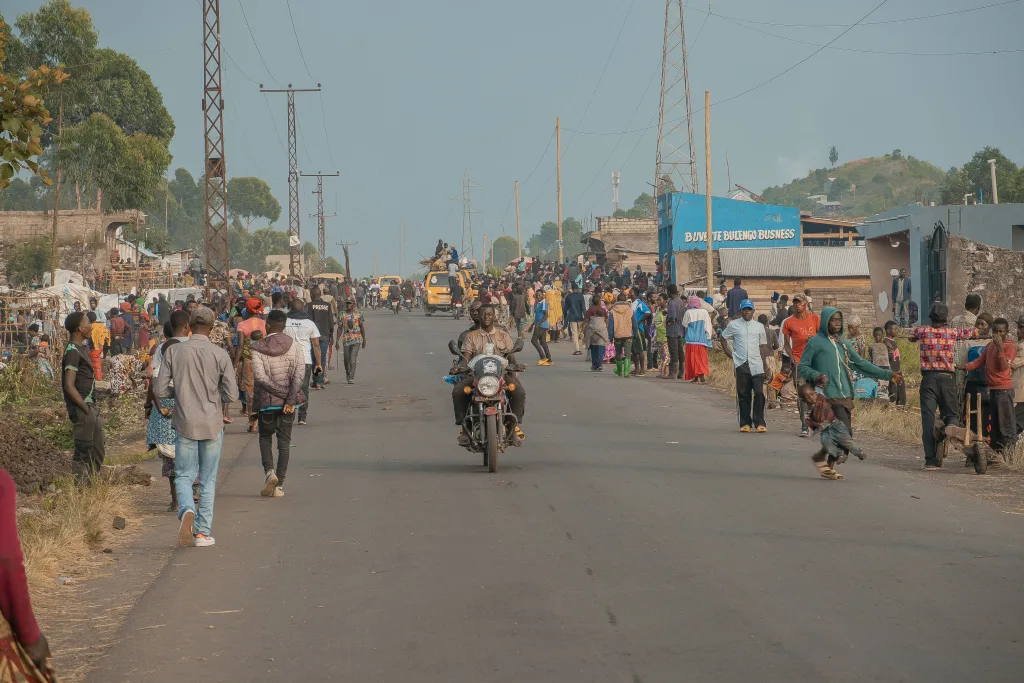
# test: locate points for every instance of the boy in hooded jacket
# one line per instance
(828, 362)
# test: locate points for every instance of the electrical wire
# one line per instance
(530, 175)
(870, 52)
(323, 117)
(273, 122)
(867, 23)
(256, 45)
(295, 32)
(611, 53)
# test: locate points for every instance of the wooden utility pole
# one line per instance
(558, 166)
(519, 234)
(486, 254)
(56, 197)
(707, 188)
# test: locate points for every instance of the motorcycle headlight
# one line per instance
(488, 385)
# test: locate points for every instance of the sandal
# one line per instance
(827, 472)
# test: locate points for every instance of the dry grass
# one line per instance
(64, 534)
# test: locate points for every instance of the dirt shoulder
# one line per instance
(83, 620)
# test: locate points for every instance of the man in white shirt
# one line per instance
(306, 334)
(453, 273)
(748, 351)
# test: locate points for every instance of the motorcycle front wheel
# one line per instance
(491, 448)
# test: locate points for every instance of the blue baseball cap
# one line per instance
(747, 303)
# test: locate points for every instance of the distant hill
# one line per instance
(864, 187)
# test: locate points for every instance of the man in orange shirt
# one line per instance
(796, 330)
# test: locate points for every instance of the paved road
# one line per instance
(637, 537)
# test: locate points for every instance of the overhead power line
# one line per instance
(869, 52)
(866, 23)
(255, 44)
(298, 42)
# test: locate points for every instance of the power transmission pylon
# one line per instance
(467, 212)
(320, 216)
(675, 156)
(215, 194)
(294, 233)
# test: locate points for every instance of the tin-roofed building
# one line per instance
(828, 272)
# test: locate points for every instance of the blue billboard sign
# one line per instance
(735, 224)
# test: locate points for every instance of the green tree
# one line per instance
(28, 259)
(128, 169)
(838, 187)
(1013, 187)
(252, 198)
(58, 34)
(954, 186)
(332, 265)
(979, 174)
(23, 115)
(666, 185)
(897, 154)
(544, 244)
(644, 206)
(505, 249)
(121, 89)
(833, 156)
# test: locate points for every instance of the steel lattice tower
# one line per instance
(215, 194)
(321, 221)
(675, 155)
(294, 229)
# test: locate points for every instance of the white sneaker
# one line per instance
(269, 483)
(278, 492)
(203, 541)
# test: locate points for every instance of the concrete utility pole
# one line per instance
(707, 189)
(558, 166)
(995, 190)
(616, 179)
(294, 232)
(320, 217)
(519, 234)
(215, 195)
(401, 247)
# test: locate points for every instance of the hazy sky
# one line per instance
(416, 92)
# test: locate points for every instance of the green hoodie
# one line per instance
(834, 358)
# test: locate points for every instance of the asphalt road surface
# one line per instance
(636, 537)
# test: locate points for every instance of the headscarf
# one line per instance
(125, 306)
(693, 302)
(254, 306)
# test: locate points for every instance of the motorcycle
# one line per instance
(489, 422)
(457, 310)
(396, 305)
(408, 304)
(375, 300)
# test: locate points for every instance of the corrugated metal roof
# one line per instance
(795, 262)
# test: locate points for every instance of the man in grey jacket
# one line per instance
(278, 368)
(203, 379)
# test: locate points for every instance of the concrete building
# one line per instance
(917, 238)
(624, 242)
(828, 272)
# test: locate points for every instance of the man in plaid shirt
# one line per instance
(937, 344)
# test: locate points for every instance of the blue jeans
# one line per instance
(596, 356)
(191, 457)
(325, 344)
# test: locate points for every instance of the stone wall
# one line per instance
(73, 226)
(995, 273)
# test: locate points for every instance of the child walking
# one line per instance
(878, 354)
(835, 437)
(897, 392)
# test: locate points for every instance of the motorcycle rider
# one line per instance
(457, 294)
(474, 344)
(408, 292)
(375, 294)
(474, 318)
(394, 297)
